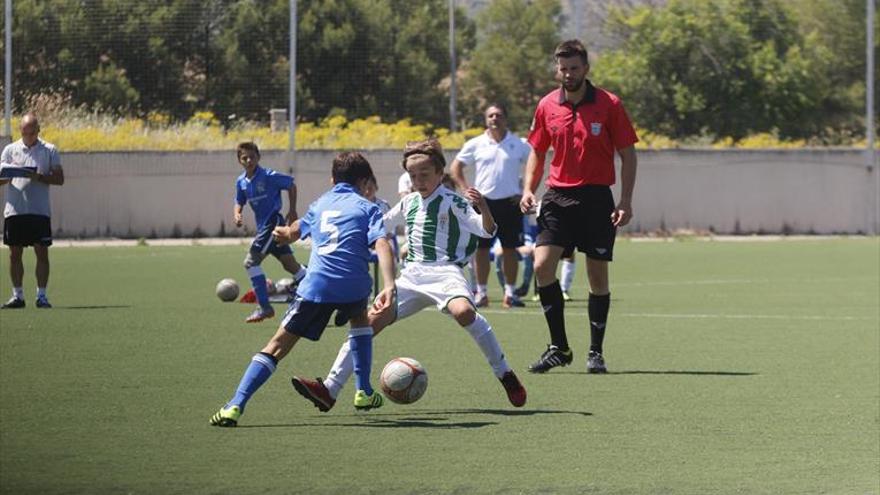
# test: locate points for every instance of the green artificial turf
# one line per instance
(736, 367)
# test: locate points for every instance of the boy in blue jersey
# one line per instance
(261, 188)
(442, 228)
(343, 226)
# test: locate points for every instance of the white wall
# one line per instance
(143, 194)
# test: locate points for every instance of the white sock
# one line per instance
(18, 292)
(567, 275)
(482, 289)
(300, 274)
(483, 335)
(508, 290)
(41, 292)
(341, 370)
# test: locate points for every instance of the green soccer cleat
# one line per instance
(364, 402)
(226, 417)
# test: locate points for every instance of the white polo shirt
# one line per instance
(498, 165)
(25, 196)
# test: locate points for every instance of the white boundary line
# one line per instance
(515, 312)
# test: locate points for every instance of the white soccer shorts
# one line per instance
(421, 285)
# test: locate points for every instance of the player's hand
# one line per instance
(386, 299)
(476, 199)
(622, 214)
(527, 203)
(283, 235)
(236, 219)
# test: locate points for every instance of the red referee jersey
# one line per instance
(583, 136)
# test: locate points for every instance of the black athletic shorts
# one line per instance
(27, 230)
(308, 319)
(509, 219)
(578, 217)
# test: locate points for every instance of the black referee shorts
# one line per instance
(578, 217)
(509, 219)
(27, 230)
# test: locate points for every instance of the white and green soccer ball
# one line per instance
(403, 380)
(227, 290)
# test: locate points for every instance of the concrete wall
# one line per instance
(164, 194)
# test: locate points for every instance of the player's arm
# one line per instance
(287, 234)
(478, 200)
(236, 215)
(292, 215)
(456, 170)
(623, 213)
(531, 178)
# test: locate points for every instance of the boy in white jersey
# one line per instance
(442, 229)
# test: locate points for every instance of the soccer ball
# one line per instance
(283, 286)
(227, 290)
(403, 380)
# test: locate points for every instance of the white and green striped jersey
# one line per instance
(440, 228)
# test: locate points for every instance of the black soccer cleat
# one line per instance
(552, 358)
(13, 303)
(596, 363)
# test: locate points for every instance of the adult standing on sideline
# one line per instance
(27, 212)
(498, 156)
(584, 125)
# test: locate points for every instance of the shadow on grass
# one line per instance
(662, 372)
(423, 419)
(115, 306)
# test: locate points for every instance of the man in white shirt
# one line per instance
(498, 156)
(26, 217)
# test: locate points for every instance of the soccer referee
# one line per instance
(584, 125)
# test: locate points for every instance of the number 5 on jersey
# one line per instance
(329, 244)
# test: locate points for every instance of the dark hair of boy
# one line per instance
(247, 146)
(351, 167)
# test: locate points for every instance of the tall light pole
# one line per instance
(291, 90)
(452, 96)
(870, 153)
(7, 98)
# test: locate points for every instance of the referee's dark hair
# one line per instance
(571, 48)
(351, 167)
(247, 146)
(430, 148)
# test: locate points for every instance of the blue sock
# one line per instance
(361, 342)
(258, 371)
(258, 281)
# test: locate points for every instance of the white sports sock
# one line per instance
(483, 335)
(18, 292)
(341, 370)
(567, 277)
(508, 290)
(482, 289)
(41, 292)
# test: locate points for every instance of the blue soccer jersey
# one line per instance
(263, 193)
(343, 225)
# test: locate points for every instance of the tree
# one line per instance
(718, 67)
(513, 60)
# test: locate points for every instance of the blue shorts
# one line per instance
(265, 244)
(308, 319)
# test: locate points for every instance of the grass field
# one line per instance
(737, 367)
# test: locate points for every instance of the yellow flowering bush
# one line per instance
(81, 131)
